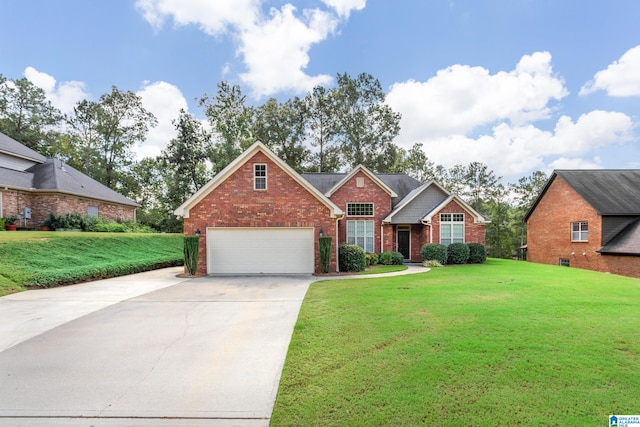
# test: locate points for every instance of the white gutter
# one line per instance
(337, 252)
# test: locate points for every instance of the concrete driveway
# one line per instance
(147, 349)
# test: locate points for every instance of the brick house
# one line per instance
(30, 180)
(260, 216)
(587, 219)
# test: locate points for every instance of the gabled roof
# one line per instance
(401, 184)
(183, 210)
(608, 191)
(371, 175)
(14, 148)
(478, 218)
(52, 175)
(627, 242)
(412, 195)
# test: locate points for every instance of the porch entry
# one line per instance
(404, 240)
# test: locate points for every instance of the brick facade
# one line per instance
(370, 192)
(549, 233)
(235, 203)
(42, 204)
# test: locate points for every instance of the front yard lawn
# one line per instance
(505, 343)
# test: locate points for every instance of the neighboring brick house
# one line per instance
(587, 219)
(30, 180)
(260, 216)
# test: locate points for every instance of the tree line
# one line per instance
(327, 130)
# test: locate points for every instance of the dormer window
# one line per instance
(259, 176)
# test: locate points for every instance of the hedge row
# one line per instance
(455, 253)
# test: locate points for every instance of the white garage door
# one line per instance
(260, 250)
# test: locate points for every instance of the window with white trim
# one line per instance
(580, 231)
(451, 228)
(359, 209)
(565, 262)
(360, 233)
(92, 211)
(1, 215)
(259, 176)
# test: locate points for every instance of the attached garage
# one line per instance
(266, 250)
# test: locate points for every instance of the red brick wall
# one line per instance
(42, 204)
(234, 203)
(549, 233)
(473, 232)
(369, 193)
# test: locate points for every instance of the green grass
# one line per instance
(45, 259)
(379, 269)
(505, 343)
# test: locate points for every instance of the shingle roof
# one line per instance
(401, 184)
(609, 191)
(627, 242)
(52, 175)
(13, 147)
(57, 176)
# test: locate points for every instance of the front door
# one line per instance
(404, 235)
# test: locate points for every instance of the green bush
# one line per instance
(432, 263)
(434, 251)
(325, 253)
(372, 259)
(391, 258)
(352, 257)
(458, 253)
(191, 254)
(477, 253)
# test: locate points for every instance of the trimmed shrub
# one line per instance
(191, 246)
(372, 259)
(458, 253)
(477, 253)
(352, 257)
(325, 253)
(432, 263)
(434, 251)
(391, 258)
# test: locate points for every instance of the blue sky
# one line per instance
(520, 85)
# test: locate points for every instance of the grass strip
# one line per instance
(505, 343)
(37, 259)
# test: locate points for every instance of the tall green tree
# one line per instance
(27, 116)
(525, 192)
(185, 160)
(480, 182)
(416, 164)
(281, 126)
(500, 233)
(322, 127)
(82, 130)
(367, 125)
(232, 122)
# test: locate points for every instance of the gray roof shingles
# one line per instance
(13, 147)
(53, 175)
(609, 191)
(627, 242)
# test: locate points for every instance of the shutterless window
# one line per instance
(564, 262)
(579, 231)
(92, 211)
(259, 176)
(360, 209)
(451, 228)
(360, 233)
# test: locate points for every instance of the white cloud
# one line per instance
(274, 48)
(574, 163)
(63, 96)
(213, 17)
(516, 150)
(462, 98)
(344, 7)
(276, 51)
(164, 100)
(622, 78)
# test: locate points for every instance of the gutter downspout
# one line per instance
(337, 252)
